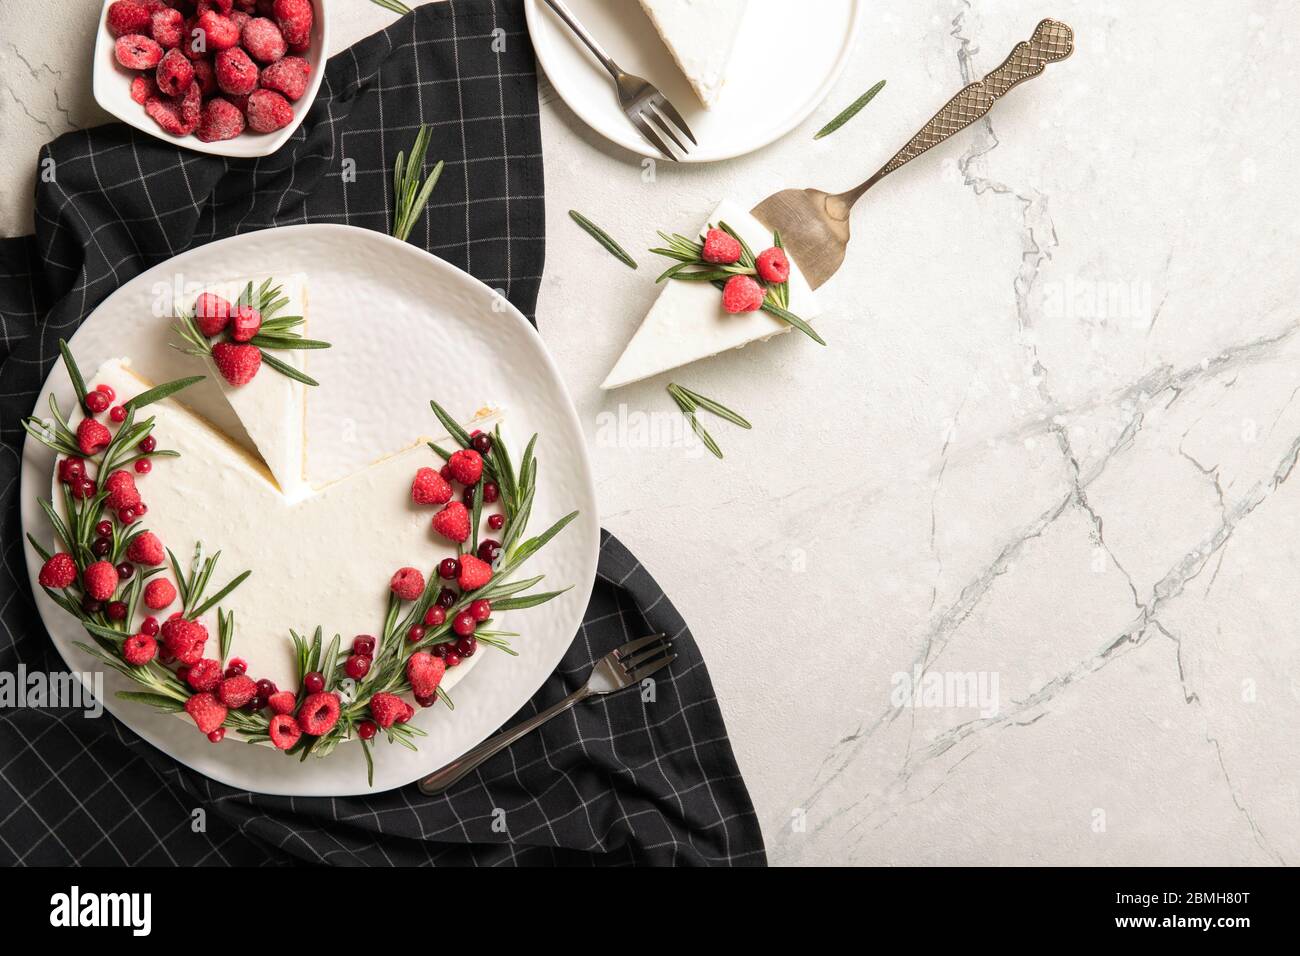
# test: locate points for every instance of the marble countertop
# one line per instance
(1040, 473)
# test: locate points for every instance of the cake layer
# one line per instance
(701, 35)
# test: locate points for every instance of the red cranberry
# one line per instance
(467, 496)
(480, 610)
(143, 466)
(127, 515)
(266, 688)
(96, 402)
(257, 703)
(367, 729)
(449, 569)
(183, 672)
(363, 644)
(466, 646)
(104, 528)
(451, 658)
(357, 667)
(217, 735)
(149, 626)
(237, 667)
(489, 550)
(117, 413)
(84, 488)
(314, 682)
(427, 701)
(107, 390)
(440, 649)
(116, 611)
(434, 616)
(416, 633)
(141, 510)
(496, 522)
(490, 492)
(72, 470)
(464, 623)
(481, 443)
(147, 444)
(446, 598)
(101, 547)
(125, 570)
(445, 471)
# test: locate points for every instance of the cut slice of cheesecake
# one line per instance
(272, 407)
(700, 34)
(687, 321)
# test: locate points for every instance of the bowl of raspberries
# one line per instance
(229, 77)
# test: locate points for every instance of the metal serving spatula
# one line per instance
(814, 225)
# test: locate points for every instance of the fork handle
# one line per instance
(1052, 41)
(443, 779)
(564, 13)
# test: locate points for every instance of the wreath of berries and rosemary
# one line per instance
(105, 565)
(247, 331)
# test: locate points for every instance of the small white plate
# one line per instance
(377, 379)
(787, 57)
(112, 88)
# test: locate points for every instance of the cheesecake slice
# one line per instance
(700, 34)
(687, 322)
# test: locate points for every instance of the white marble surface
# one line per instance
(1048, 444)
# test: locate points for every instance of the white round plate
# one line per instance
(112, 88)
(390, 311)
(786, 58)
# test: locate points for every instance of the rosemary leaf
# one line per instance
(159, 392)
(709, 405)
(850, 111)
(289, 370)
(604, 238)
(74, 373)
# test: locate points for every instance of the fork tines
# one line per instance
(644, 656)
(665, 117)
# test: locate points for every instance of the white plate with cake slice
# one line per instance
(742, 73)
(310, 487)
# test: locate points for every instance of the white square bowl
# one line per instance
(112, 88)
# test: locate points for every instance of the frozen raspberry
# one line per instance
(194, 44)
(287, 76)
(92, 436)
(221, 6)
(221, 120)
(407, 584)
(100, 580)
(167, 113)
(268, 111)
(204, 674)
(139, 649)
(294, 18)
(284, 731)
(424, 671)
(184, 639)
(236, 73)
(237, 691)
(319, 713)
(466, 466)
(430, 488)
(720, 247)
(159, 593)
(145, 548)
(742, 294)
(237, 363)
(263, 40)
(773, 265)
(282, 701)
(127, 17)
(220, 32)
(167, 27)
(143, 87)
(473, 573)
(205, 74)
(244, 319)
(452, 522)
(389, 709)
(211, 313)
(122, 493)
(137, 52)
(208, 712)
(240, 19)
(58, 572)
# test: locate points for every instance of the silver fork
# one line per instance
(618, 670)
(638, 97)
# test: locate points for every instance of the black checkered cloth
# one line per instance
(617, 781)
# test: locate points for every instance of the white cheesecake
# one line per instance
(701, 35)
(687, 322)
(323, 559)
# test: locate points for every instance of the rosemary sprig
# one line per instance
(394, 5)
(850, 111)
(411, 196)
(689, 402)
(604, 238)
(687, 405)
